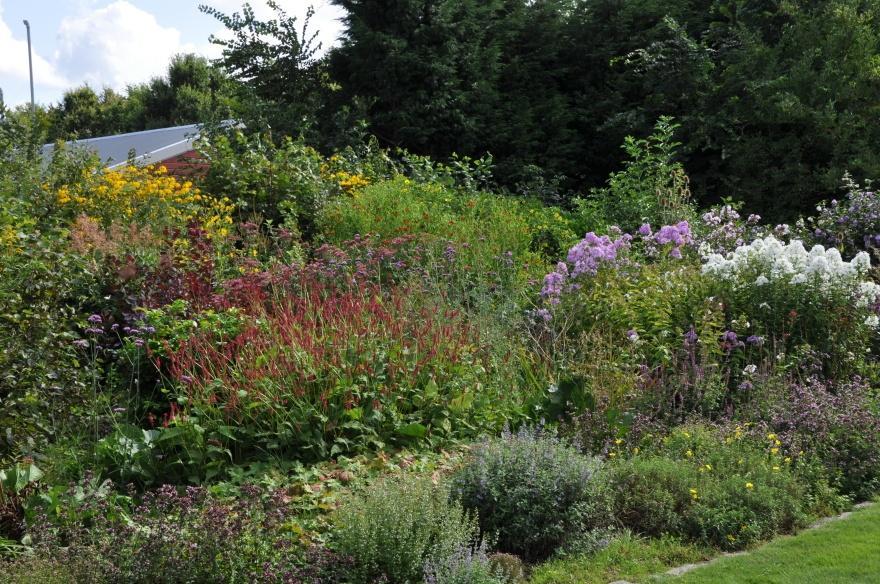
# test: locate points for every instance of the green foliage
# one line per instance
(43, 381)
(728, 491)
(651, 188)
(192, 91)
(265, 180)
(393, 527)
(838, 553)
(276, 59)
(532, 492)
(484, 226)
(627, 557)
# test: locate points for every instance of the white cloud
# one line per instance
(14, 63)
(116, 45)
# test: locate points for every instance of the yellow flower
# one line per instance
(774, 450)
(619, 441)
(694, 494)
(771, 436)
(776, 468)
(689, 453)
(750, 486)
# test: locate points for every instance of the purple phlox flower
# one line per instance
(730, 340)
(554, 281)
(588, 254)
(543, 314)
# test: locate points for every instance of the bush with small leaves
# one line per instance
(396, 526)
(532, 492)
(464, 566)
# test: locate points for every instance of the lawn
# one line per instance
(846, 551)
(629, 557)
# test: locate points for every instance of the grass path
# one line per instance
(843, 551)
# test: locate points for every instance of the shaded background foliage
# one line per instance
(776, 98)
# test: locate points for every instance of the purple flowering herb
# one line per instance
(544, 314)
(82, 343)
(96, 319)
(755, 340)
(645, 230)
(690, 337)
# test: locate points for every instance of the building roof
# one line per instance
(147, 147)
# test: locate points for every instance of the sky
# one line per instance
(114, 43)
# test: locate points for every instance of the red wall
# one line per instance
(187, 164)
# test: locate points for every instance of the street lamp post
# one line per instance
(27, 25)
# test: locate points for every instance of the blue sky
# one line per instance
(113, 43)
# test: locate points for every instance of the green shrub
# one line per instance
(397, 525)
(531, 491)
(464, 566)
(489, 225)
(728, 490)
(268, 180)
(651, 188)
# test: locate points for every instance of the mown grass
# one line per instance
(629, 557)
(845, 551)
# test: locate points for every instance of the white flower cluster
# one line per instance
(769, 260)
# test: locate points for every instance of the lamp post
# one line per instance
(27, 25)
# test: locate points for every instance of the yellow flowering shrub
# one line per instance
(146, 196)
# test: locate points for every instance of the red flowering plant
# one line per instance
(328, 370)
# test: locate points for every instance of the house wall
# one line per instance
(189, 163)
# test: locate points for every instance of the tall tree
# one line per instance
(276, 59)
